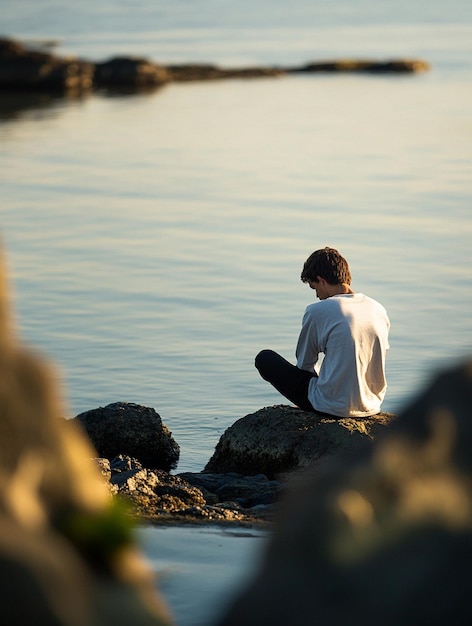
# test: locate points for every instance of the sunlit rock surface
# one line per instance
(283, 438)
(162, 498)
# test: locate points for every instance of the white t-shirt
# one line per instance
(351, 331)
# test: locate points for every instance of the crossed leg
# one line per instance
(288, 379)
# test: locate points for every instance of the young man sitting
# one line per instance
(350, 330)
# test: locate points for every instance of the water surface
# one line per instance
(155, 241)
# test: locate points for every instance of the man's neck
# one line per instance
(341, 288)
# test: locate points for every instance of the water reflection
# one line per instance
(34, 105)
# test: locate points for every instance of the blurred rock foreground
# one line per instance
(67, 550)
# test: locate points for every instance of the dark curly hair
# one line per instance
(329, 264)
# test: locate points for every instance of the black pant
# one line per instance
(288, 379)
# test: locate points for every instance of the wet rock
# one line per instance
(131, 429)
(156, 490)
(384, 538)
(247, 491)
(282, 438)
(159, 497)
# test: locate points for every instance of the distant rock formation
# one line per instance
(130, 72)
(392, 66)
(133, 430)
(381, 538)
(282, 438)
(194, 72)
(23, 67)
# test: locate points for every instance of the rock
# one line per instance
(282, 438)
(133, 430)
(130, 72)
(191, 72)
(395, 66)
(27, 67)
(105, 468)
(68, 553)
(161, 498)
(383, 538)
(157, 490)
(247, 491)
(23, 68)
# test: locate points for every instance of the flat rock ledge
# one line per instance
(254, 462)
(26, 66)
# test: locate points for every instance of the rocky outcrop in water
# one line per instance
(131, 429)
(193, 72)
(381, 538)
(130, 72)
(393, 66)
(251, 465)
(23, 67)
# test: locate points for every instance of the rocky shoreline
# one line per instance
(32, 67)
(254, 462)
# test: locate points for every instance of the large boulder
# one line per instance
(133, 430)
(384, 538)
(282, 438)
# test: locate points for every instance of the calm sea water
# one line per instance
(155, 241)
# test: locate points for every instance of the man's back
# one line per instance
(351, 330)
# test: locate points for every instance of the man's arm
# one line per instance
(307, 350)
